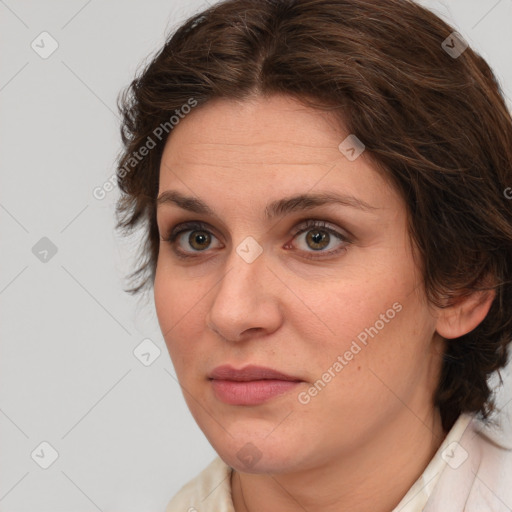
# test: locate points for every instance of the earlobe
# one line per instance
(465, 315)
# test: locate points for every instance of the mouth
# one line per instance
(251, 385)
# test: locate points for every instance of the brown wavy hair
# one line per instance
(436, 126)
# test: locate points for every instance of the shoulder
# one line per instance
(478, 471)
(209, 491)
(492, 487)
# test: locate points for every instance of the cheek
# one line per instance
(165, 300)
(372, 320)
(356, 304)
(379, 350)
(178, 311)
(174, 296)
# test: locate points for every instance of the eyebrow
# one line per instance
(278, 208)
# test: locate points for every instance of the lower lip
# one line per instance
(252, 392)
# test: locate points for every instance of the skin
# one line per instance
(364, 439)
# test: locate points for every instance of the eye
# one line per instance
(317, 236)
(199, 239)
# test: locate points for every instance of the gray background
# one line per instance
(68, 373)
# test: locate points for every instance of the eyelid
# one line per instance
(302, 224)
(325, 225)
(187, 226)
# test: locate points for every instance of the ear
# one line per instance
(465, 315)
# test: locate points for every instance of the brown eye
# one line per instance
(199, 240)
(318, 236)
(317, 239)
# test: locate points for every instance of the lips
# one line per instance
(248, 373)
(252, 385)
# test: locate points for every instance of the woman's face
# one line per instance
(336, 302)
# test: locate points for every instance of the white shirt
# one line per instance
(470, 472)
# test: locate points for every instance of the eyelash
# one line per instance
(172, 234)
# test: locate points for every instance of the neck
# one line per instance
(370, 479)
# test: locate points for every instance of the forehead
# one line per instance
(263, 147)
(259, 128)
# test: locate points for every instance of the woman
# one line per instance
(329, 243)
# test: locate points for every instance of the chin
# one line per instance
(257, 453)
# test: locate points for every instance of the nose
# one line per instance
(246, 300)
